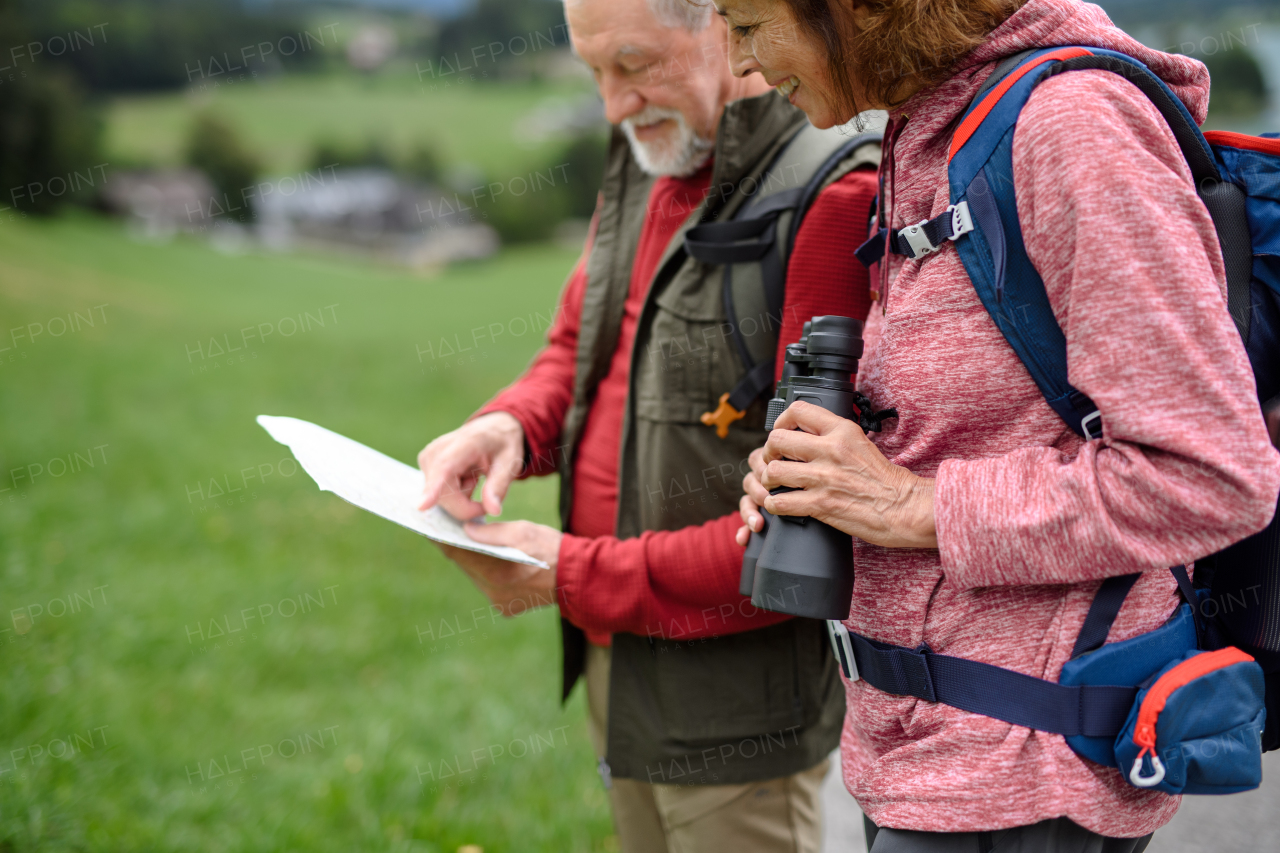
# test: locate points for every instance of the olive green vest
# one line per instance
(735, 708)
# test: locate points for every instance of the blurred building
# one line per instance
(365, 211)
(372, 211)
(371, 47)
(160, 203)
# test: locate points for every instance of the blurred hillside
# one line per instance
(124, 45)
(138, 45)
(201, 106)
(446, 96)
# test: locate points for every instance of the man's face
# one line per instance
(664, 85)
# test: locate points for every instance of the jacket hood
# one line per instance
(1055, 23)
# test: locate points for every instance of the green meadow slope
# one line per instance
(474, 123)
(202, 651)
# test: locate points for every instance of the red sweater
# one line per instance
(682, 583)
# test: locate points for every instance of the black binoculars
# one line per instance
(799, 565)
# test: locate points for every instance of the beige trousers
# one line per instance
(774, 816)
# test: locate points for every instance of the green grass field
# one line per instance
(472, 122)
(187, 667)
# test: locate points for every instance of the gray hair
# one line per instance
(693, 15)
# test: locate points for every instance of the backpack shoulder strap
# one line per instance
(980, 174)
(755, 244)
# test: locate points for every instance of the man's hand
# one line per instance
(491, 446)
(843, 479)
(512, 587)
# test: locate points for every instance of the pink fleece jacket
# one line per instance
(1030, 519)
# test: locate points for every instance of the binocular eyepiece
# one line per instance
(799, 565)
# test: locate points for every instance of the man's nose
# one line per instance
(621, 100)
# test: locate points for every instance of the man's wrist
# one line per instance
(506, 423)
(508, 429)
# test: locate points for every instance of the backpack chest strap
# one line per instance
(915, 241)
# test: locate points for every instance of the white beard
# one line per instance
(680, 153)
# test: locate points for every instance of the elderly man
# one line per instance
(713, 720)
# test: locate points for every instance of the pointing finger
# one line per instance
(498, 480)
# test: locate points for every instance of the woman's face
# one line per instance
(764, 37)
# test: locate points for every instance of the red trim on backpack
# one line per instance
(1230, 139)
(971, 123)
(1189, 670)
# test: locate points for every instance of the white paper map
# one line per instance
(384, 486)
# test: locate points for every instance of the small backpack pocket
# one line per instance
(1196, 728)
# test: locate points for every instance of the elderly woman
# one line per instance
(983, 525)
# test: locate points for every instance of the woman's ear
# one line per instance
(859, 12)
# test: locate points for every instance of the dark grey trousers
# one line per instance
(1060, 835)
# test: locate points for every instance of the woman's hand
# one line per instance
(845, 481)
(756, 494)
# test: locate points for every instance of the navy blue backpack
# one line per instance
(1181, 708)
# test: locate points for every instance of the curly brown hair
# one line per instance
(900, 46)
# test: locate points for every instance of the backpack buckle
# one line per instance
(1089, 423)
(843, 648)
(919, 242)
(961, 221)
(955, 219)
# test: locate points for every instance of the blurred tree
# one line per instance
(585, 157)
(1139, 12)
(350, 155)
(115, 45)
(1237, 84)
(528, 217)
(215, 148)
(424, 163)
(500, 21)
(49, 139)
(565, 188)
